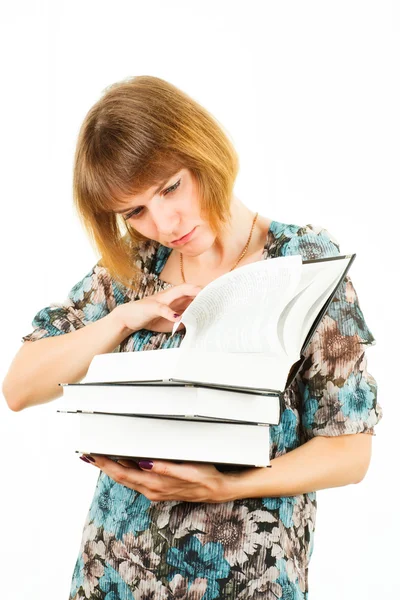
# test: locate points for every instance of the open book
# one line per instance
(246, 330)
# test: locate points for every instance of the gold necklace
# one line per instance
(240, 257)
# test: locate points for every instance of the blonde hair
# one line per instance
(138, 134)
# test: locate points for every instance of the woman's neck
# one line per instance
(225, 251)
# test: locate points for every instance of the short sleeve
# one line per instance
(339, 395)
(92, 298)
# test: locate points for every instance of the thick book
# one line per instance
(143, 437)
(180, 401)
(246, 330)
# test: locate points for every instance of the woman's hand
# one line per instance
(189, 481)
(156, 312)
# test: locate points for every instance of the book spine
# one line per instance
(168, 417)
(327, 258)
(230, 388)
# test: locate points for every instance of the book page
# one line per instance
(296, 322)
(132, 366)
(244, 370)
(308, 275)
(284, 314)
(239, 311)
(320, 302)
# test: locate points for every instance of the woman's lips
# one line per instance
(183, 239)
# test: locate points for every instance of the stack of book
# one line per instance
(213, 398)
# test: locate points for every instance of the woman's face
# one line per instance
(170, 213)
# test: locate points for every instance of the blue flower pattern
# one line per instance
(125, 530)
(195, 560)
(118, 508)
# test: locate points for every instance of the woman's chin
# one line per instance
(201, 243)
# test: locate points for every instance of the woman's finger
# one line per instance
(185, 289)
(128, 463)
(129, 476)
(167, 313)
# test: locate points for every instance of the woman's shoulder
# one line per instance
(310, 240)
(151, 256)
(145, 253)
(284, 239)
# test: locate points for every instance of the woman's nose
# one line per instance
(167, 222)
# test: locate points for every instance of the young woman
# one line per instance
(153, 183)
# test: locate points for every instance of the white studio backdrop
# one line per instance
(309, 94)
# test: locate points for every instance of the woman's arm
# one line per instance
(38, 367)
(322, 462)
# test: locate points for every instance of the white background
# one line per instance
(309, 93)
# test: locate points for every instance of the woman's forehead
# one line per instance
(120, 205)
(120, 200)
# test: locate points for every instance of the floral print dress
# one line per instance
(251, 548)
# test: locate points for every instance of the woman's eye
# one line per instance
(172, 188)
(137, 211)
(134, 213)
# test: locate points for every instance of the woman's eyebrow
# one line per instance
(121, 212)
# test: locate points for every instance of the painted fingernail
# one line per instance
(176, 315)
(89, 457)
(85, 459)
(146, 464)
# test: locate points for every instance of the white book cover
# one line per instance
(178, 400)
(153, 438)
